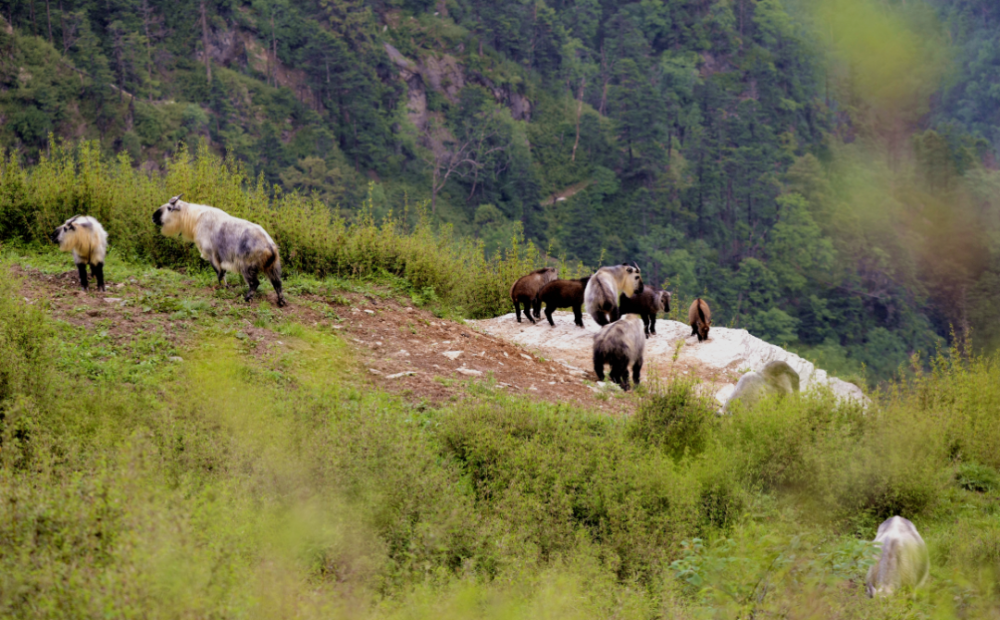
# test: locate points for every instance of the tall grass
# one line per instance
(236, 484)
(72, 179)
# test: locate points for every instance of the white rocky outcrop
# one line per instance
(718, 362)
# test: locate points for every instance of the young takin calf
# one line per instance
(700, 319)
(85, 237)
(620, 344)
(228, 243)
(646, 304)
(563, 294)
(525, 291)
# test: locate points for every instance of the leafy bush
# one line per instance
(71, 180)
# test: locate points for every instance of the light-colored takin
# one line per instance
(620, 344)
(228, 243)
(602, 292)
(776, 377)
(86, 239)
(903, 561)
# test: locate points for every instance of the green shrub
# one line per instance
(675, 419)
(78, 179)
(24, 371)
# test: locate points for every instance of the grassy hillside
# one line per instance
(174, 452)
(828, 187)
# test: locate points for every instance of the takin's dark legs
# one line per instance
(275, 279)
(252, 276)
(636, 369)
(577, 316)
(652, 325)
(82, 270)
(95, 270)
(98, 272)
(537, 306)
(527, 309)
(619, 373)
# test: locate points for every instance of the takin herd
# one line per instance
(615, 297)
(618, 300)
(228, 243)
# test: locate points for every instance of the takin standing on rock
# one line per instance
(563, 294)
(85, 237)
(647, 305)
(903, 562)
(700, 319)
(525, 291)
(228, 243)
(605, 287)
(620, 344)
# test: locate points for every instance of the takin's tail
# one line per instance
(272, 263)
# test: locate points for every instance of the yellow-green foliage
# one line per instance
(266, 480)
(77, 179)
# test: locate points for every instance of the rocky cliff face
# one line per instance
(718, 362)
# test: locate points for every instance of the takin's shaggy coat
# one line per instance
(700, 319)
(903, 562)
(85, 238)
(604, 288)
(776, 377)
(620, 344)
(228, 243)
(564, 294)
(646, 304)
(525, 291)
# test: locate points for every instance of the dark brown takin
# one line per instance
(564, 294)
(525, 292)
(647, 304)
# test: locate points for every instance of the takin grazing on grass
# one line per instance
(776, 377)
(85, 238)
(605, 287)
(700, 319)
(564, 294)
(903, 560)
(525, 291)
(228, 243)
(647, 305)
(620, 345)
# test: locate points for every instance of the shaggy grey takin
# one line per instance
(620, 345)
(228, 243)
(601, 295)
(85, 238)
(903, 562)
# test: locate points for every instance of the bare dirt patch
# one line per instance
(402, 349)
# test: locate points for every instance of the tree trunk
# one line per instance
(204, 42)
(48, 16)
(62, 24)
(579, 111)
(149, 50)
(274, 52)
(34, 26)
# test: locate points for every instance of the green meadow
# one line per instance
(179, 469)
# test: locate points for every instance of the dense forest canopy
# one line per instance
(823, 172)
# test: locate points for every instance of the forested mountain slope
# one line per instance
(821, 172)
